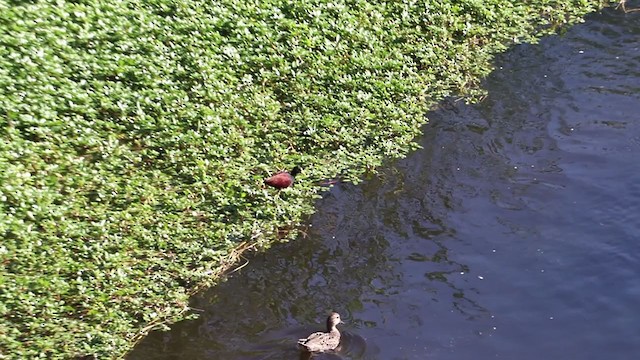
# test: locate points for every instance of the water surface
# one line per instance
(514, 233)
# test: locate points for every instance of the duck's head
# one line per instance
(333, 320)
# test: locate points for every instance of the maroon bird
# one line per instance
(283, 179)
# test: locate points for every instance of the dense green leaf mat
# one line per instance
(136, 135)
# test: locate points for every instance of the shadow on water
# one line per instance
(513, 233)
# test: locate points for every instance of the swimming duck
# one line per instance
(283, 179)
(324, 341)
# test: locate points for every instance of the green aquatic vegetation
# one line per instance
(136, 136)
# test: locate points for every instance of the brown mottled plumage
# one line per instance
(324, 341)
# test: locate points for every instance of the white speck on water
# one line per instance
(494, 250)
(458, 169)
(333, 237)
(542, 270)
(571, 129)
(550, 317)
(495, 328)
(461, 272)
(545, 75)
(480, 277)
(581, 52)
(515, 167)
(533, 166)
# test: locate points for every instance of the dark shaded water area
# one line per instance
(514, 233)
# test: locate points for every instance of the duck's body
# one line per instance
(283, 179)
(323, 341)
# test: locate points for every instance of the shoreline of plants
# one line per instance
(136, 138)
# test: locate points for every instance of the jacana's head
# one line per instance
(295, 171)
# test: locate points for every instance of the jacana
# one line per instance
(283, 179)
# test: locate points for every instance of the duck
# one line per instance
(283, 179)
(324, 341)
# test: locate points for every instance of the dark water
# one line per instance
(514, 233)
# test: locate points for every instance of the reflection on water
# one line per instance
(512, 234)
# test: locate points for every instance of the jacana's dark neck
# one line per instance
(295, 171)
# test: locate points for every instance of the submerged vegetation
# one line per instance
(136, 137)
